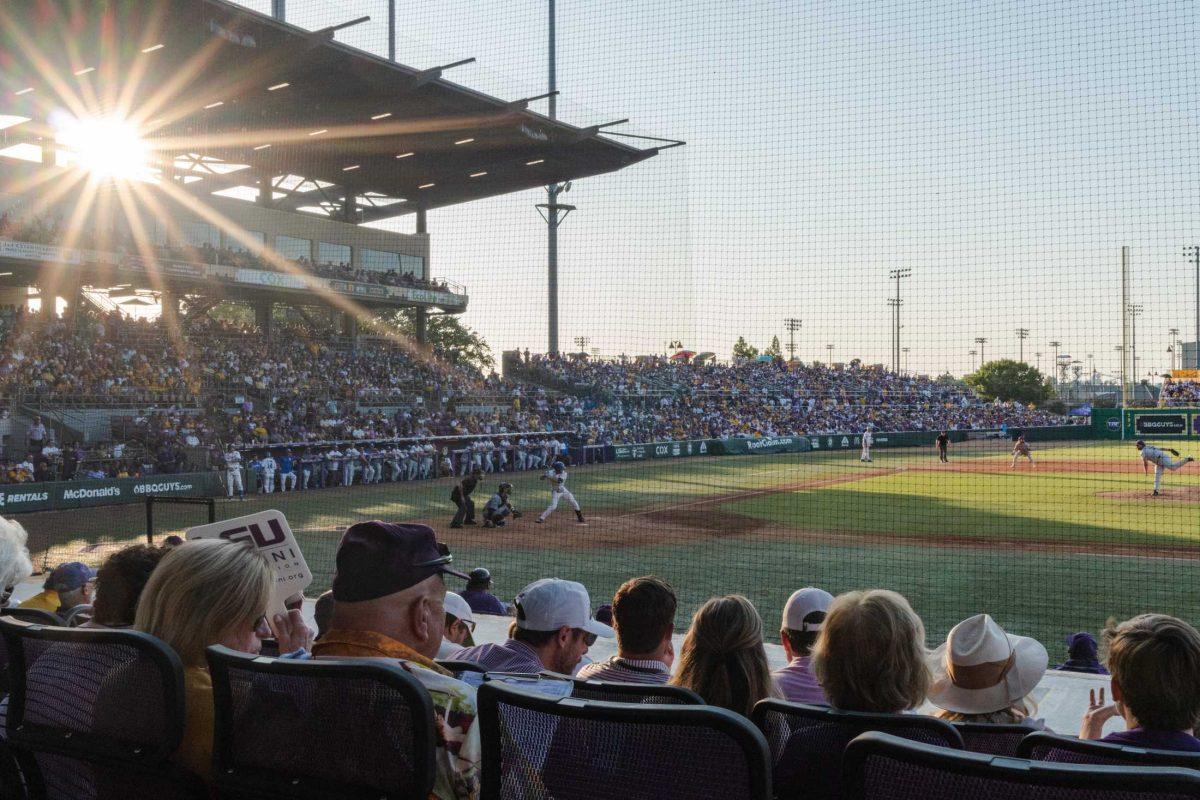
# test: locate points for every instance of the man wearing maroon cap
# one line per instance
(389, 600)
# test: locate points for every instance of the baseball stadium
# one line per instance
(867, 296)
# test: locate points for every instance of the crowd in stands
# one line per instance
(861, 651)
(1180, 393)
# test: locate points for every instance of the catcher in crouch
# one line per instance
(499, 507)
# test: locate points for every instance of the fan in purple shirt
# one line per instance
(1155, 664)
(479, 596)
(803, 616)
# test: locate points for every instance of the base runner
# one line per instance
(1160, 460)
(557, 475)
(1021, 448)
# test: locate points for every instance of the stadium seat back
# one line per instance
(807, 742)
(611, 692)
(36, 616)
(325, 728)
(1042, 746)
(878, 766)
(537, 747)
(95, 713)
(990, 739)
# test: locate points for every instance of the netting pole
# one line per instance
(1124, 330)
(279, 10)
(212, 510)
(150, 520)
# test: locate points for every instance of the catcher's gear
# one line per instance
(516, 514)
(504, 487)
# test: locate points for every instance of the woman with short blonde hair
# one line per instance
(723, 659)
(206, 592)
(870, 655)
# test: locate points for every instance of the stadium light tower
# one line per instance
(973, 353)
(582, 342)
(1193, 253)
(1022, 335)
(829, 347)
(1038, 356)
(791, 325)
(1135, 311)
(981, 341)
(905, 351)
(896, 275)
(1054, 368)
(1174, 334)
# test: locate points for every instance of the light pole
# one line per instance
(981, 341)
(582, 342)
(1174, 334)
(1054, 369)
(791, 325)
(1193, 253)
(973, 353)
(1022, 335)
(1135, 311)
(895, 302)
(829, 348)
(905, 351)
(1039, 361)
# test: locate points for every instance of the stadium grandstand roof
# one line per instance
(236, 97)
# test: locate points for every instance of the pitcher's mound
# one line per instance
(1180, 494)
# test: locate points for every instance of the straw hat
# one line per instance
(980, 669)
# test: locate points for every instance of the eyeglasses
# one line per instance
(588, 638)
(444, 558)
(469, 624)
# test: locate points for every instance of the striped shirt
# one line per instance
(509, 656)
(626, 670)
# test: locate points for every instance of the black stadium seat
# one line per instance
(34, 615)
(325, 728)
(612, 692)
(878, 766)
(1043, 746)
(537, 747)
(95, 713)
(807, 742)
(994, 740)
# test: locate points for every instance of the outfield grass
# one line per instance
(929, 534)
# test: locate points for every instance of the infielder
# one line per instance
(557, 475)
(1160, 460)
(1021, 448)
(867, 441)
(233, 473)
(499, 507)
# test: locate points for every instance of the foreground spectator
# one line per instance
(1155, 665)
(553, 631)
(803, 618)
(323, 613)
(870, 655)
(15, 565)
(479, 595)
(643, 617)
(1081, 655)
(723, 659)
(119, 585)
(68, 587)
(207, 592)
(460, 626)
(982, 674)
(388, 603)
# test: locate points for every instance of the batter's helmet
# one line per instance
(559, 466)
(1140, 443)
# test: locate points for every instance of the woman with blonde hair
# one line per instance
(870, 655)
(723, 659)
(206, 592)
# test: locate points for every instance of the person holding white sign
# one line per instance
(212, 592)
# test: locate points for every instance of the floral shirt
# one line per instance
(458, 750)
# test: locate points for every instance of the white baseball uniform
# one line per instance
(558, 491)
(269, 468)
(867, 441)
(1161, 461)
(233, 472)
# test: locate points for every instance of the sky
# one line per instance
(1004, 152)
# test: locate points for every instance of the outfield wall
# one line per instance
(1180, 424)
(60, 495)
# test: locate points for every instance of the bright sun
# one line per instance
(108, 147)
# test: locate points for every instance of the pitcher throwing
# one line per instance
(557, 475)
(1160, 460)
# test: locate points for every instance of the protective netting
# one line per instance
(889, 220)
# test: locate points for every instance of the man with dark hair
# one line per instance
(460, 495)
(119, 585)
(803, 617)
(643, 613)
(553, 631)
(1155, 665)
(478, 594)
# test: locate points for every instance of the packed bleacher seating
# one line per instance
(1180, 393)
(197, 613)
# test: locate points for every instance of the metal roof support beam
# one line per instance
(327, 33)
(427, 76)
(523, 103)
(588, 133)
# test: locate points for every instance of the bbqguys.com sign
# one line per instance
(269, 533)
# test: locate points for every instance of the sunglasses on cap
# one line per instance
(444, 558)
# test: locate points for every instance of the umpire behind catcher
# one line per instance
(460, 495)
(499, 507)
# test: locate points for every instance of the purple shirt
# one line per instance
(1155, 740)
(482, 602)
(797, 684)
(510, 656)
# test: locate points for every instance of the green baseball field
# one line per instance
(1046, 548)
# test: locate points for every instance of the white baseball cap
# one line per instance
(802, 603)
(457, 606)
(551, 603)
